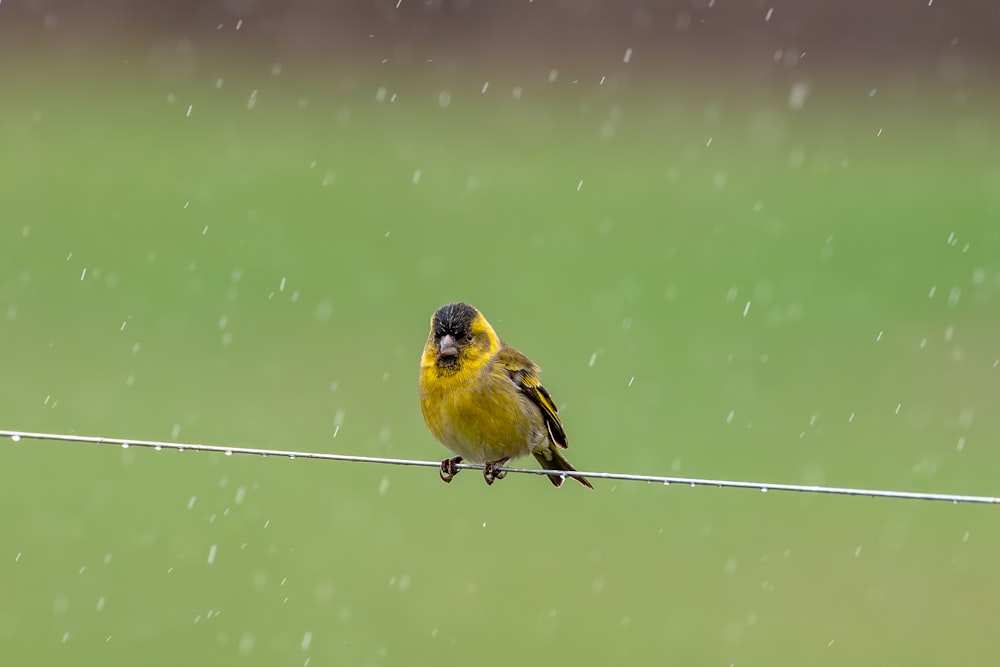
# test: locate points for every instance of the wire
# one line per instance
(17, 436)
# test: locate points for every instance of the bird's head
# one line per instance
(459, 336)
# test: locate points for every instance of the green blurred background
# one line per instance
(741, 246)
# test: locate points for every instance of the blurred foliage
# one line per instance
(716, 284)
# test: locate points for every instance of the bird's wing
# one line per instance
(524, 374)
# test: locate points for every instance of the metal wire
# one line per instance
(17, 436)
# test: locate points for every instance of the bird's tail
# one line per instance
(551, 458)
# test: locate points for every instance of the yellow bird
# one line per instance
(482, 399)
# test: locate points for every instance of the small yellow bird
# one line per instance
(482, 399)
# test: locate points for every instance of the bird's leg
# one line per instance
(492, 472)
(449, 468)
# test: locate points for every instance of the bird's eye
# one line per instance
(469, 337)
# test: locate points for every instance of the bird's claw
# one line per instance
(449, 468)
(492, 470)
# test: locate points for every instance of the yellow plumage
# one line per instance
(483, 400)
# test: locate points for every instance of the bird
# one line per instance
(483, 400)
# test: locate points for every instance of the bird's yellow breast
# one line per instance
(478, 413)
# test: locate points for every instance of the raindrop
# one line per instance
(797, 96)
(211, 553)
(15, 438)
(229, 452)
(245, 646)
(763, 489)
(628, 55)
(124, 445)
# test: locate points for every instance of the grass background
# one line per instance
(184, 258)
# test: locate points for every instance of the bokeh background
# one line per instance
(755, 241)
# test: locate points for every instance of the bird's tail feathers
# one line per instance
(551, 458)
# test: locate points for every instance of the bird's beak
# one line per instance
(448, 347)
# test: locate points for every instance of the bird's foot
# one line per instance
(449, 468)
(492, 471)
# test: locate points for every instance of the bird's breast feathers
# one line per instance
(481, 418)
